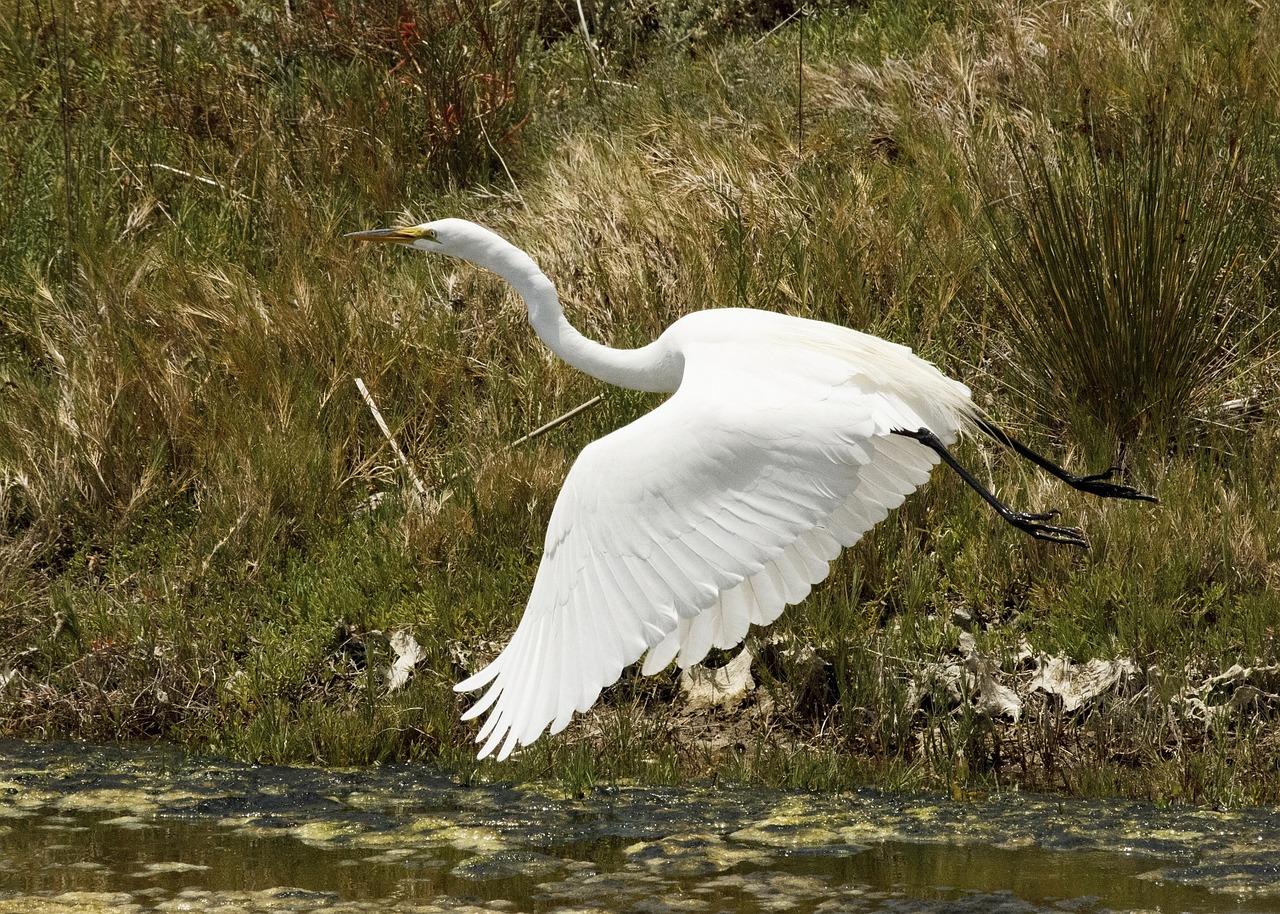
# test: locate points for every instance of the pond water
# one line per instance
(87, 829)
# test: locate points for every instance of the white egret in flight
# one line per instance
(784, 440)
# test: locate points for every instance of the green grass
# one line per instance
(1125, 272)
(187, 547)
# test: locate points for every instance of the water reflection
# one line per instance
(90, 828)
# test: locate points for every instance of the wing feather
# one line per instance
(767, 596)
(662, 653)
(902, 467)
(696, 638)
(678, 532)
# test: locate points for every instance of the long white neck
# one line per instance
(651, 367)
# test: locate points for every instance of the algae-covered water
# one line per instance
(85, 828)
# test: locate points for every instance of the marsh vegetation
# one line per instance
(204, 536)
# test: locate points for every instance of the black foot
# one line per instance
(1097, 484)
(1032, 524)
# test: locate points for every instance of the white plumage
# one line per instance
(675, 533)
(782, 443)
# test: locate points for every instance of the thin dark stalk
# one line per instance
(57, 34)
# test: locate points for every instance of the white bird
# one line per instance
(784, 440)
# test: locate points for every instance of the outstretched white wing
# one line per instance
(710, 513)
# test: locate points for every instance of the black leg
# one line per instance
(1033, 524)
(1096, 484)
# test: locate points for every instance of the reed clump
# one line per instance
(1126, 267)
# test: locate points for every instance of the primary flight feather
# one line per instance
(784, 440)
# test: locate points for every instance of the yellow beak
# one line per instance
(391, 235)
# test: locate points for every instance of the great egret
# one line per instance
(785, 440)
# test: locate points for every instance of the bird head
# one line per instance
(468, 241)
(425, 237)
(456, 237)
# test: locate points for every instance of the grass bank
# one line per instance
(204, 536)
